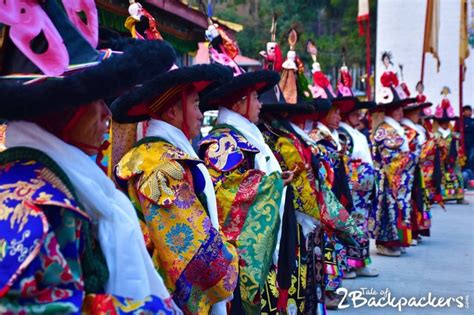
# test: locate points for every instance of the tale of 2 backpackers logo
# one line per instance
(370, 297)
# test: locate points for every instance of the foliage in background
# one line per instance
(331, 24)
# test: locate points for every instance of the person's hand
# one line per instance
(287, 177)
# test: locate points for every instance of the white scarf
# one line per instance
(175, 136)
(400, 130)
(421, 134)
(131, 269)
(253, 135)
(421, 137)
(361, 148)
(302, 134)
(334, 134)
(444, 132)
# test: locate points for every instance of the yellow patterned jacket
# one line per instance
(198, 265)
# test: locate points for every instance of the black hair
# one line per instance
(388, 55)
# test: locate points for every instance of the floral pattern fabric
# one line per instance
(293, 154)
(452, 159)
(420, 215)
(389, 220)
(248, 204)
(429, 163)
(361, 177)
(43, 245)
(335, 258)
(198, 265)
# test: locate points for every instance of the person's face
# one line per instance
(332, 119)
(386, 62)
(193, 117)
(253, 112)
(396, 114)
(91, 127)
(444, 124)
(413, 115)
(467, 113)
(354, 118)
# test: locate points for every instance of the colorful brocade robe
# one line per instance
(451, 162)
(389, 221)
(305, 279)
(248, 202)
(430, 160)
(50, 262)
(332, 175)
(361, 177)
(198, 265)
(420, 215)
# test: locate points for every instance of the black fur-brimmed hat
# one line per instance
(444, 112)
(156, 95)
(321, 105)
(416, 106)
(99, 74)
(232, 91)
(345, 104)
(104, 80)
(273, 101)
(365, 105)
(361, 105)
(322, 89)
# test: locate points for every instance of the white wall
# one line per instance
(400, 29)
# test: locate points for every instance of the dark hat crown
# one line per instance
(273, 96)
(62, 69)
(57, 45)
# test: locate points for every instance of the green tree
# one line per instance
(331, 24)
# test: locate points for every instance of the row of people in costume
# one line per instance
(267, 217)
(291, 247)
(349, 179)
(238, 228)
(410, 162)
(215, 225)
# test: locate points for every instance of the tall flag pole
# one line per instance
(430, 41)
(363, 19)
(463, 55)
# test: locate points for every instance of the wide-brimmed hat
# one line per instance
(154, 96)
(293, 84)
(365, 105)
(368, 105)
(94, 75)
(417, 106)
(273, 101)
(444, 112)
(322, 88)
(232, 91)
(346, 94)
